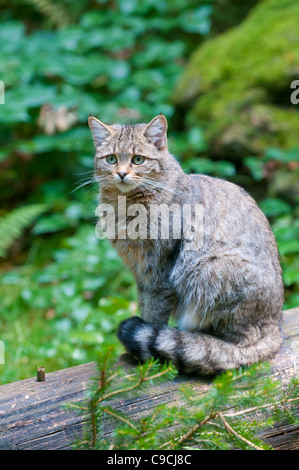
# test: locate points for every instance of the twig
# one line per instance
(157, 375)
(93, 423)
(128, 389)
(187, 436)
(78, 407)
(232, 431)
(103, 369)
(122, 390)
(255, 408)
(190, 433)
(111, 377)
(115, 415)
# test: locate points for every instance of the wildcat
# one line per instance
(227, 295)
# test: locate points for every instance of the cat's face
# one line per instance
(129, 156)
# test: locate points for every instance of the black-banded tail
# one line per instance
(192, 352)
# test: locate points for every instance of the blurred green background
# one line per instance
(220, 71)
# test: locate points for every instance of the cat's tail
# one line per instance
(197, 353)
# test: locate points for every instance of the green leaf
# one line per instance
(283, 156)
(220, 168)
(288, 247)
(50, 224)
(198, 20)
(256, 167)
(273, 207)
(196, 139)
(87, 337)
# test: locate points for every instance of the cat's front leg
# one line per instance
(156, 303)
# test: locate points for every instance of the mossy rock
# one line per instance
(237, 85)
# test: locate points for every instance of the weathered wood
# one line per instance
(33, 415)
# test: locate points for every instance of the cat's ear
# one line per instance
(156, 132)
(100, 131)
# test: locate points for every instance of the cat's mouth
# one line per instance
(125, 187)
(125, 184)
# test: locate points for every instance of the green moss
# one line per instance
(240, 82)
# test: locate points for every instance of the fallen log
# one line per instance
(33, 413)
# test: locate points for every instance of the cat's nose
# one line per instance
(122, 174)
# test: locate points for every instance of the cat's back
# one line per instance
(219, 191)
(225, 199)
(231, 217)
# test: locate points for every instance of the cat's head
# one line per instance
(129, 156)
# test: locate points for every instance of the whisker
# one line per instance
(86, 181)
(79, 187)
(153, 184)
(85, 172)
(92, 187)
(162, 186)
(161, 189)
(83, 180)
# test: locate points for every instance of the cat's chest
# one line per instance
(142, 258)
(146, 257)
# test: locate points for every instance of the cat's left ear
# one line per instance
(156, 132)
(100, 131)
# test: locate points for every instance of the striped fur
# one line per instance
(226, 296)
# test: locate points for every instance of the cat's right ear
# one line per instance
(156, 132)
(100, 131)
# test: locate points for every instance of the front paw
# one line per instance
(136, 335)
(128, 328)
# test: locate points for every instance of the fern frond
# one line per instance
(13, 224)
(55, 12)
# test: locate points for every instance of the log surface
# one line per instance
(33, 415)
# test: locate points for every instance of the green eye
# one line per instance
(138, 159)
(111, 159)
